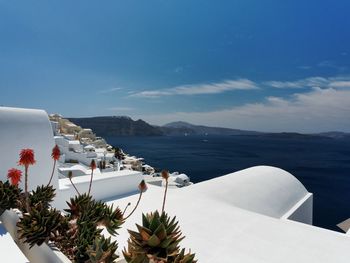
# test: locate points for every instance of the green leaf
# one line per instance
(153, 241)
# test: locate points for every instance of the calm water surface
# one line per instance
(322, 165)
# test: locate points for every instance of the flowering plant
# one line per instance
(78, 231)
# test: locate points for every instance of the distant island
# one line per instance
(125, 126)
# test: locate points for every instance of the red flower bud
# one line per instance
(93, 165)
(14, 175)
(26, 157)
(56, 153)
(143, 186)
(165, 174)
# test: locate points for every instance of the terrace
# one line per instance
(245, 216)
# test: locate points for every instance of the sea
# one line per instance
(321, 164)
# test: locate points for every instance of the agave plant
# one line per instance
(39, 225)
(102, 250)
(157, 239)
(9, 195)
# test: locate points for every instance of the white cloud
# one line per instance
(317, 110)
(308, 82)
(337, 82)
(196, 89)
(108, 90)
(340, 84)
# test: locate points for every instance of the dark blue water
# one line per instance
(321, 164)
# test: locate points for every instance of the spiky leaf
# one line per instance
(9, 195)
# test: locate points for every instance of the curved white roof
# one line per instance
(263, 189)
(214, 217)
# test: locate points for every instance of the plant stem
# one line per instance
(166, 190)
(70, 179)
(138, 201)
(92, 175)
(53, 170)
(126, 208)
(26, 188)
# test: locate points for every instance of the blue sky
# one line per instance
(249, 64)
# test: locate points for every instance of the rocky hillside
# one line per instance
(117, 126)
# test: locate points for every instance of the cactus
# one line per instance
(9, 194)
(39, 225)
(102, 250)
(157, 239)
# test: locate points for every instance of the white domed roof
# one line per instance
(263, 189)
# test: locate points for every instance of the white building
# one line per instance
(26, 128)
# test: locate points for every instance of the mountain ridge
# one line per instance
(126, 126)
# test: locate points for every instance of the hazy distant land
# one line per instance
(125, 126)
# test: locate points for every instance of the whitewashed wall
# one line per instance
(26, 128)
(104, 186)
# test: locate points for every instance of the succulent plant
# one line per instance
(86, 215)
(9, 195)
(102, 250)
(183, 257)
(39, 225)
(66, 236)
(111, 219)
(157, 239)
(87, 232)
(78, 204)
(43, 195)
(97, 212)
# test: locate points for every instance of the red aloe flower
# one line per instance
(26, 157)
(55, 156)
(56, 153)
(14, 175)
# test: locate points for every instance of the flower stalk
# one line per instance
(93, 167)
(142, 188)
(55, 156)
(165, 175)
(126, 207)
(70, 176)
(26, 159)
